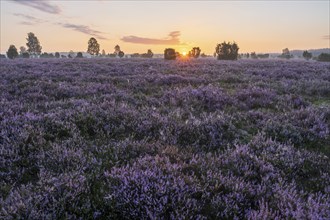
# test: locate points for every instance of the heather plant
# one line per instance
(145, 138)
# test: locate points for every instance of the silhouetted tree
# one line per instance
(93, 47)
(285, 54)
(149, 54)
(57, 55)
(44, 55)
(169, 54)
(247, 55)
(324, 57)
(203, 55)
(12, 52)
(79, 55)
(227, 51)
(254, 55)
(26, 55)
(103, 53)
(121, 54)
(307, 55)
(195, 52)
(135, 55)
(117, 49)
(263, 56)
(71, 54)
(33, 44)
(22, 50)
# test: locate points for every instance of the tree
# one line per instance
(135, 55)
(149, 54)
(254, 55)
(203, 55)
(324, 57)
(195, 52)
(93, 47)
(121, 54)
(103, 53)
(57, 55)
(227, 51)
(79, 55)
(169, 54)
(117, 49)
(285, 54)
(33, 44)
(71, 54)
(44, 55)
(12, 52)
(26, 55)
(22, 50)
(307, 55)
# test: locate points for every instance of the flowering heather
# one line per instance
(155, 139)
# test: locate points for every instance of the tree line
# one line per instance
(223, 51)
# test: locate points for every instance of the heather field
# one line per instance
(156, 139)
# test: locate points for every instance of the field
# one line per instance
(156, 139)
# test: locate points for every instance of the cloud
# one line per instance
(326, 37)
(43, 6)
(27, 23)
(172, 39)
(29, 20)
(83, 29)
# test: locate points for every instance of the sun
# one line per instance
(184, 53)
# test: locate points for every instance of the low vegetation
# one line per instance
(151, 139)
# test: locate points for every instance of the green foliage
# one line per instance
(12, 52)
(33, 44)
(307, 55)
(169, 54)
(227, 51)
(324, 57)
(93, 46)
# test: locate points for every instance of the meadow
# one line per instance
(156, 139)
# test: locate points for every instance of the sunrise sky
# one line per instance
(261, 26)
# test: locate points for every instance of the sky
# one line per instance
(260, 26)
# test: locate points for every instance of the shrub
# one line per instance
(227, 51)
(12, 52)
(324, 57)
(307, 55)
(121, 54)
(169, 54)
(79, 55)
